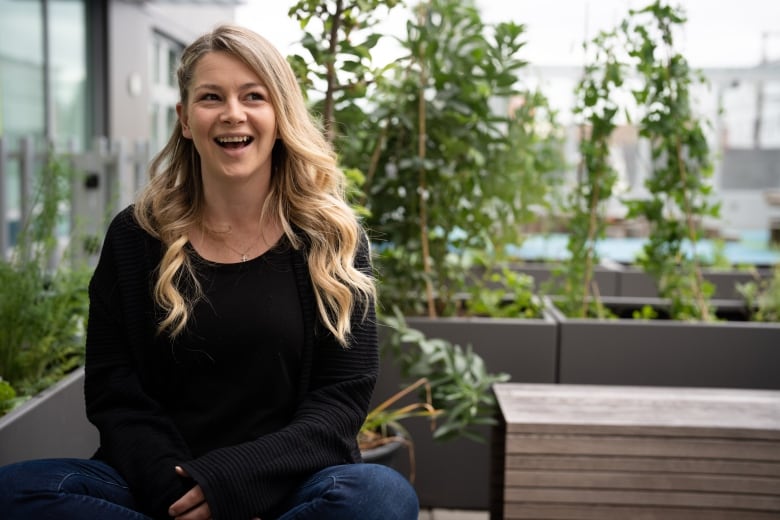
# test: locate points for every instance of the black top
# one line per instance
(147, 427)
(239, 360)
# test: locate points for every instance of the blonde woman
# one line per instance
(231, 345)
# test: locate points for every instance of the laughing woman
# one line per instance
(231, 344)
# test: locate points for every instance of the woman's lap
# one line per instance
(77, 488)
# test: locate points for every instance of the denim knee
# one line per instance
(355, 492)
(64, 488)
(393, 496)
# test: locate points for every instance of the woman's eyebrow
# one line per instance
(210, 86)
(206, 86)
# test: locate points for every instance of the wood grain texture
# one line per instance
(603, 452)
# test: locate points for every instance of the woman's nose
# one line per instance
(233, 113)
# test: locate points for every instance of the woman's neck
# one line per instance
(233, 226)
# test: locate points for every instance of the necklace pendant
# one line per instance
(244, 258)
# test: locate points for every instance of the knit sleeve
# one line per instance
(252, 479)
(136, 435)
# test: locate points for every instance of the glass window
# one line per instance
(21, 69)
(68, 56)
(21, 92)
(26, 65)
(165, 90)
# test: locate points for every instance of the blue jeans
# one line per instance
(77, 489)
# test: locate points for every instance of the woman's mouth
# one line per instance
(234, 142)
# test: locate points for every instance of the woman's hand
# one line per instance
(191, 506)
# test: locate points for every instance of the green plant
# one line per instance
(502, 292)
(598, 107)
(449, 386)
(459, 384)
(763, 297)
(680, 191)
(339, 37)
(383, 424)
(43, 303)
(7, 396)
(646, 312)
(442, 166)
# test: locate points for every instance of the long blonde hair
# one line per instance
(307, 191)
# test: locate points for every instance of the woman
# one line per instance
(231, 342)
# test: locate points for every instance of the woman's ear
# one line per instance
(184, 120)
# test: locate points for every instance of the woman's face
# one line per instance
(230, 119)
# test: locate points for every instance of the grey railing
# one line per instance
(106, 178)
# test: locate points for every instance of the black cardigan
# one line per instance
(139, 439)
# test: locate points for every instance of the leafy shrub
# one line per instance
(43, 301)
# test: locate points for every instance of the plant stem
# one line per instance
(700, 300)
(423, 183)
(329, 109)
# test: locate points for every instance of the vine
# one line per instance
(681, 166)
(598, 107)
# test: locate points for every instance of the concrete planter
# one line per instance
(455, 474)
(624, 351)
(633, 282)
(51, 424)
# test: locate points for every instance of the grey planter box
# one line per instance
(606, 278)
(455, 474)
(633, 282)
(732, 354)
(51, 424)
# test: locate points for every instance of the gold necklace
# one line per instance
(243, 255)
(219, 235)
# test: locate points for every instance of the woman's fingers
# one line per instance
(192, 505)
(200, 512)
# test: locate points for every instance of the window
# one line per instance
(165, 90)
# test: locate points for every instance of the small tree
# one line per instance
(443, 165)
(339, 37)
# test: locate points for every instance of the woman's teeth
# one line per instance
(234, 141)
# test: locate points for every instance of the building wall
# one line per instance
(131, 26)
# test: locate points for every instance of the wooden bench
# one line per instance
(619, 452)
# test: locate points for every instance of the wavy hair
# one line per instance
(307, 193)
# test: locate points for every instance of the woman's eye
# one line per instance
(256, 96)
(209, 97)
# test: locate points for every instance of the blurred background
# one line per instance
(78, 73)
(735, 44)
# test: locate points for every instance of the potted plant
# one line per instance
(383, 434)
(446, 383)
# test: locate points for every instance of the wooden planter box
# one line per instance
(601, 452)
(51, 424)
(456, 473)
(625, 351)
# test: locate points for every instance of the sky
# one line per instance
(719, 33)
